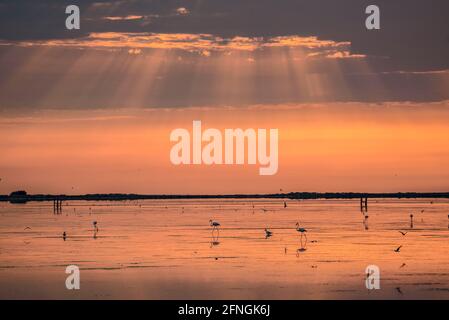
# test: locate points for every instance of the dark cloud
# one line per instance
(414, 33)
(400, 58)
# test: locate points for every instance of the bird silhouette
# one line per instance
(403, 233)
(302, 231)
(399, 290)
(268, 233)
(214, 224)
(398, 249)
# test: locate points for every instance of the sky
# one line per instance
(91, 110)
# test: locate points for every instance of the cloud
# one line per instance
(409, 46)
(135, 51)
(182, 11)
(203, 44)
(122, 18)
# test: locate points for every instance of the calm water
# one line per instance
(166, 249)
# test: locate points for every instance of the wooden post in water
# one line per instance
(57, 206)
(363, 204)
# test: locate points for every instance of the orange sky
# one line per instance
(327, 147)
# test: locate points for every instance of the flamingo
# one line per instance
(301, 230)
(214, 224)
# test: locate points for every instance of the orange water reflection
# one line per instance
(166, 249)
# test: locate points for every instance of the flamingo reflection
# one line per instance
(303, 247)
(214, 239)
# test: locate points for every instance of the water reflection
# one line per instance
(215, 236)
(158, 247)
(365, 222)
(303, 247)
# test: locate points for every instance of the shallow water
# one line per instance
(167, 250)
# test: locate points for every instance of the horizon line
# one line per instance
(22, 196)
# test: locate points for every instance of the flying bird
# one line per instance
(268, 233)
(398, 249)
(399, 290)
(403, 233)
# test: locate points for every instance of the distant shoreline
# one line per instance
(291, 195)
